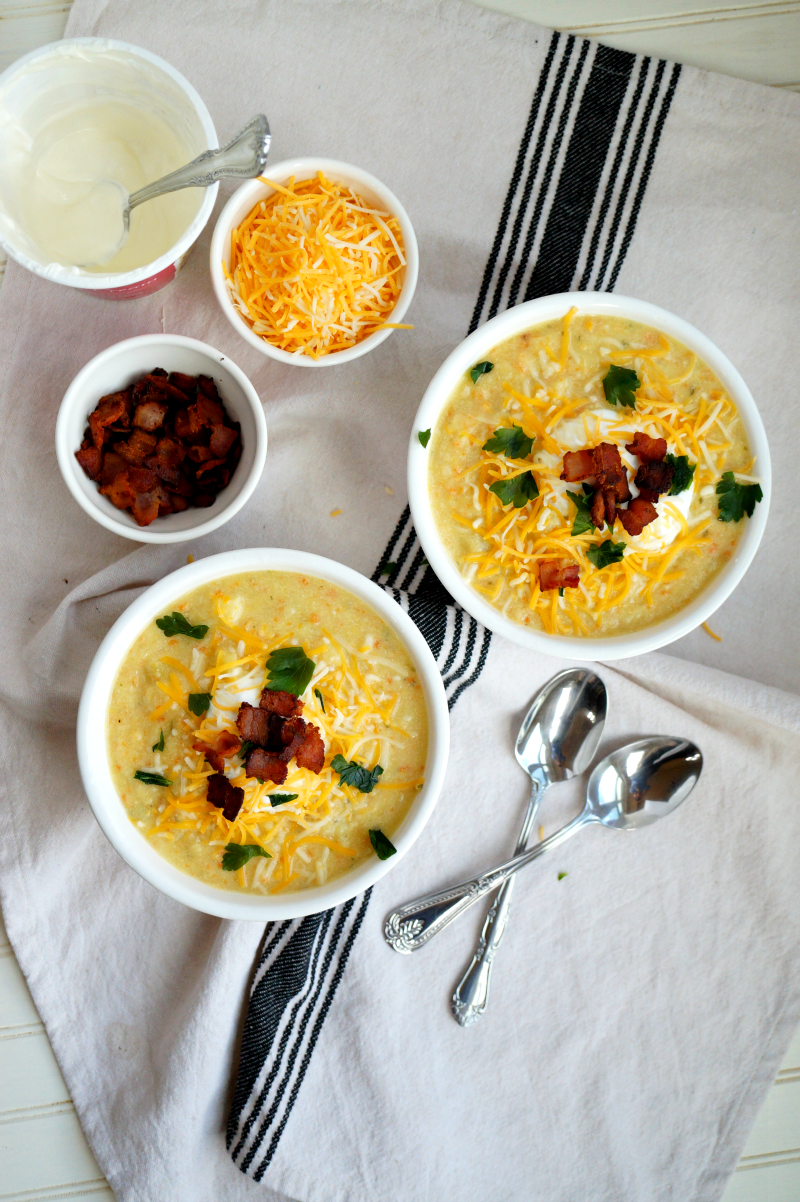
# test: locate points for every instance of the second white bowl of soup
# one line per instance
(589, 475)
(263, 734)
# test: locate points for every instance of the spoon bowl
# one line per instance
(562, 729)
(642, 782)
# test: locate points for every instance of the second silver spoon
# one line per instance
(558, 739)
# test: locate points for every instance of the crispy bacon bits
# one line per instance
(225, 745)
(280, 734)
(552, 574)
(222, 794)
(602, 466)
(161, 445)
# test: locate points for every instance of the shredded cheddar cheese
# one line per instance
(314, 269)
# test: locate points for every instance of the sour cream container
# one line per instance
(86, 71)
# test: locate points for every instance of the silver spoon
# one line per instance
(558, 739)
(630, 788)
(244, 157)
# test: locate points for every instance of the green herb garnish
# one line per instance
(245, 749)
(387, 569)
(278, 799)
(320, 699)
(159, 746)
(236, 855)
(515, 490)
(561, 592)
(480, 369)
(682, 475)
(290, 669)
(424, 436)
(361, 778)
(583, 518)
(620, 384)
(736, 500)
(511, 441)
(383, 848)
(561, 875)
(199, 703)
(152, 778)
(606, 553)
(175, 623)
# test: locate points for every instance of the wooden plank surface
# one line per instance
(43, 1153)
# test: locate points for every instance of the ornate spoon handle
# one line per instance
(413, 925)
(472, 992)
(244, 157)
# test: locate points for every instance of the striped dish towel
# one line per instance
(569, 215)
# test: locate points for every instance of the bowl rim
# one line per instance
(476, 346)
(245, 198)
(94, 281)
(65, 452)
(93, 755)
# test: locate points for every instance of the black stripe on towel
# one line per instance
(573, 201)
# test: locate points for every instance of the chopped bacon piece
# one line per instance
(647, 449)
(222, 794)
(276, 701)
(208, 466)
(178, 502)
(118, 490)
(112, 410)
(136, 448)
(170, 452)
(311, 752)
(91, 460)
(222, 439)
(578, 465)
(608, 466)
(150, 415)
(654, 477)
(265, 766)
(553, 575)
(647, 494)
(610, 505)
(253, 724)
(186, 384)
(207, 386)
(598, 510)
(293, 732)
(204, 412)
(638, 515)
(200, 454)
(173, 477)
(225, 745)
(113, 464)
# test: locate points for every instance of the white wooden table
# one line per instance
(43, 1154)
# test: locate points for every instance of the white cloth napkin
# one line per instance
(642, 1003)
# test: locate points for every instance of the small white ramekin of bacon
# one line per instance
(161, 438)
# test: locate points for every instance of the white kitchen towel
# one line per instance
(642, 1003)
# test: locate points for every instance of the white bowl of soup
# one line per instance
(589, 476)
(263, 734)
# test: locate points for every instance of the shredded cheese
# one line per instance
(313, 270)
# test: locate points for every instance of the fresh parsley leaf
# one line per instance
(152, 778)
(236, 855)
(606, 553)
(561, 875)
(583, 518)
(424, 436)
(388, 568)
(561, 592)
(736, 500)
(682, 475)
(620, 384)
(480, 369)
(278, 799)
(361, 778)
(383, 848)
(511, 441)
(176, 623)
(515, 490)
(245, 749)
(199, 703)
(159, 746)
(290, 669)
(320, 699)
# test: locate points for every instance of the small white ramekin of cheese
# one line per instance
(82, 122)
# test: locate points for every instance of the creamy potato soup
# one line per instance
(268, 732)
(590, 476)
